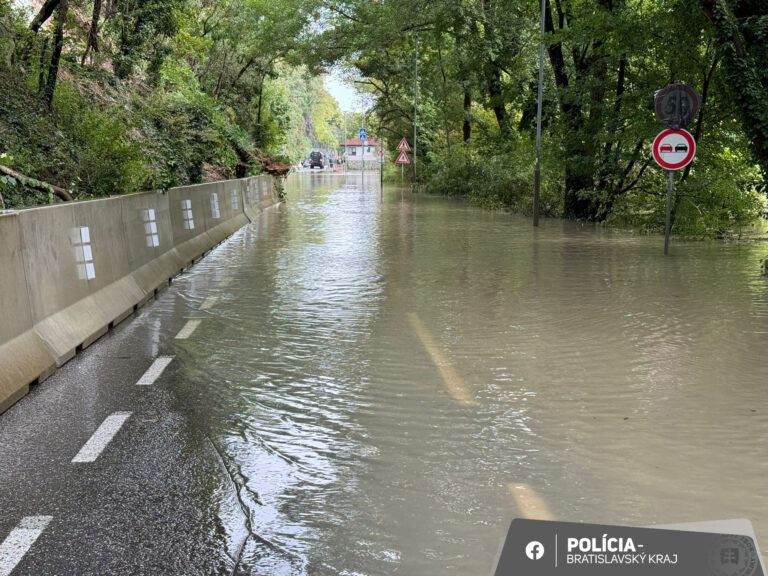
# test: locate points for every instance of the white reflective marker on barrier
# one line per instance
(186, 214)
(150, 228)
(81, 237)
(215, 211)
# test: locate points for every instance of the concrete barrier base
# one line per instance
(24, 360)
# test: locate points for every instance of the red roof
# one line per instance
(358, 142)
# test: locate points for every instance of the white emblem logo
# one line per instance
(534, 550)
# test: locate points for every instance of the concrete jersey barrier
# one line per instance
(70, 272)
(23, 356)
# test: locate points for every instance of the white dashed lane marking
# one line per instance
(453, 382)
(101, 438)
(209, 302)
(20, 540)
(188, 329)
(529, 504)
(155, 371)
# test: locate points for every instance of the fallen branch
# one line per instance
(36, 184)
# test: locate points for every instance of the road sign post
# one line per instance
(381, 172)
(672, 150)
(403, 147)
(668, 226)
(402, 159)
(363, 139)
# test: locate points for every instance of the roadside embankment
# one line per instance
(70, 272)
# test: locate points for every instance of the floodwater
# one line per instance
(390, 383)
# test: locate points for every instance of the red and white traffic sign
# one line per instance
(403, 158)
(404, 146)
(674, 149)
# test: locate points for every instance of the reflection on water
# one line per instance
(379, 378)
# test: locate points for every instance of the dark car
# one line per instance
(316, 160)
(681, 148)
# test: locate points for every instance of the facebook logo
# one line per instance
(534, 550)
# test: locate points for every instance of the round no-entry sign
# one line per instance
(674, 149)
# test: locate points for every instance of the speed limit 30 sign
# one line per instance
(674, 149)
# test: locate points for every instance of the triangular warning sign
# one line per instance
(404, 145)
(403, 158)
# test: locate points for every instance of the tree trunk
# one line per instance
(45, 12)
(93, 34)
(58, 44)
(467, 128)
(497, 100)
(577, 204)
(702, 110)
(43, 65)
(445, 99)
(258, 113)
(37, 184)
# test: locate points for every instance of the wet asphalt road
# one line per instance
(157, 500)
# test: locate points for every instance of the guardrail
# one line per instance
(70, 272)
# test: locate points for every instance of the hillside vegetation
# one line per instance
(150, 95)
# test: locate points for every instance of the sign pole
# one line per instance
(537, 173)
(381, 173)
(415, 105)
(346, 150)
(363, 141)
(668, 227)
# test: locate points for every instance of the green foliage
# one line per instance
(178, 91)
(107, 162)
(477, 86)
(496, 177)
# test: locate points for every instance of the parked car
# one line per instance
(316, 160)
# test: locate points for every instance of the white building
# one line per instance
(354, 153)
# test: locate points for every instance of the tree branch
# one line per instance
(36, 184)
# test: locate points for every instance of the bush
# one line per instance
(496, 177)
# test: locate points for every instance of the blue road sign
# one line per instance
(363, 134)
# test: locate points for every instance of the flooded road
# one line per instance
(392, 383)
(363, 387)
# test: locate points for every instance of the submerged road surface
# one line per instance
(354, 387)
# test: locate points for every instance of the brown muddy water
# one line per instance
(392, 383)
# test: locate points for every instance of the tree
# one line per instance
(742, 32)
(58, 45)
(46, 11)
(93, 32)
